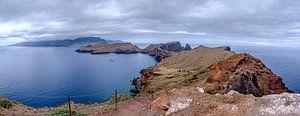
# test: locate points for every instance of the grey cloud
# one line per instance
(235, 20)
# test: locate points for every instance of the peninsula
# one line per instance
(199, 81)
(159, 51)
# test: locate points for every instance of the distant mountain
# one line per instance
(78, 42)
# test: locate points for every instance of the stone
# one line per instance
(245, 74)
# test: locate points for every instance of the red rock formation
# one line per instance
(245, 74)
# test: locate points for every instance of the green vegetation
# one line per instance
(210, 98)
(65, 112)
(120, 97)
(4, 103)
(287, 103)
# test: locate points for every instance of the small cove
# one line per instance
(39, 76)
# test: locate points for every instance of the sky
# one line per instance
(258, 22)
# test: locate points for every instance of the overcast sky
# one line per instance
(262, 22)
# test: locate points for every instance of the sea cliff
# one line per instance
(199, 81)
(217, 70)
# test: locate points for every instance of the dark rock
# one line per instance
(142, 71)
(187, 47)
(134, 91)
(172, 46)
(137, 86)
(99, 52)
(244, 82)
(227, 48)
(161, 51)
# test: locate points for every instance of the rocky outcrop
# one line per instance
(136, 83)
(159, 51)
(188, 47)
(245, 74)
(121, 48)
(201, 81)
(190, 101)
(172, 46)
(217, 70)
(180, 69)
(164, 50)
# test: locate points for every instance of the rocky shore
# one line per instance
(199, 81)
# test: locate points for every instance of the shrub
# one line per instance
(287, 103)
(4, 103)
(120, 97)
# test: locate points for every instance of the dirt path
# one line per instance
(132, 107)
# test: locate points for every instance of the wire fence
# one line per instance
(69, 98)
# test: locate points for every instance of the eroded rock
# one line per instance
(245, 74)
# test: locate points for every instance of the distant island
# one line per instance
(77, 42)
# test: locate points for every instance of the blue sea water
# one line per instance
(35, 76)
(283, 61)
(39, 76)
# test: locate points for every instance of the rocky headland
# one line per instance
(100, 48)
(159, 51)
(216, 70)
(199, 81)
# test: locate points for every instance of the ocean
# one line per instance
(44, 76)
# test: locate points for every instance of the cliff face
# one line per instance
(187, 47)
(218, 70)
(180, 69)
(201, 81)
(172, 46)
(157, 52)
(164, 50)
(245, 74)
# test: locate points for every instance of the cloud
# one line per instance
(9, 28)
(165, 32)
(254, 21)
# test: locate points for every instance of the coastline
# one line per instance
(166, 69)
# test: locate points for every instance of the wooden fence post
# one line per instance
(69, 103)
(116, 99)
